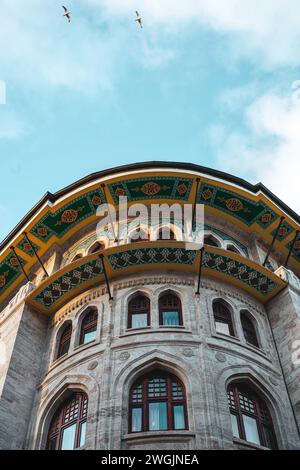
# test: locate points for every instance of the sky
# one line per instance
(212, 82)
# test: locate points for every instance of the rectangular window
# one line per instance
(158, 416)
(234, 425)
(82, 434)
(136, 420)
(89, 336)
(139, 320)
(222, 328)
(68, 438)
(251, 429)
(179, 420)
(170, 318)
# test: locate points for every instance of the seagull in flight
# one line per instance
(67, 14)
(139, 19)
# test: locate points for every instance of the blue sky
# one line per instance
(214, 82)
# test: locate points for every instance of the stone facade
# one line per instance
(34, 382)
(204, 360)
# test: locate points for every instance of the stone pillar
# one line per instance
(284, 314)
(23, 332)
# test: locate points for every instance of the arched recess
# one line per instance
(233, 248)
(52, 400)
(170, 308)
(77, 257)
(273, 397)
(250, 328)
(96, 247)
(65, 330)
(144, 364)
(87, 327)
(211, 240)
(223, 318)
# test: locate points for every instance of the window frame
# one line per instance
(91, 326)
(138, 310)
(261, 422)
(163, 309)
(65, 336)
(80, 419)
(168, 399)
(220, 318)
(245, 316)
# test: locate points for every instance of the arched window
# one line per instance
(165, 233)
(170, 311)
(139, 312)
(68, 426)
(211, 241)
(96, 247)
(250, 416)
(223, 320)
(64, 340)
(249, 329)
(139, 235)
(89, 326)
(79, 256)
(233, 249)
(157, 403)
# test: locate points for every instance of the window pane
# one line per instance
(158, 417)
(64, 348)
(82, 434)
(139, 320)
(234, 425)
(251, 430)
(222, 328)
(89, 336)
(68, 438)
(136, 419)
(179, 421)
(170, 318)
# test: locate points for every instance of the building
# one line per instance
(107, 344)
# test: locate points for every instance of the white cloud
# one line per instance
(38, 43)
(268, 27)
(11, 126)
(269, 149)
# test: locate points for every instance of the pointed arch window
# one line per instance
(67, 430)
(77, 257)
(64, 341)
(233, 249)
(96, 247)
(139, 312)
(211, 241)
(249, 329)
(223, 319)
(157, 403)
(89, 326)
(250, 416)
(170, 310)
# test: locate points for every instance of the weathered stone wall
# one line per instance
(284, 313)
(25, 332)
(204, 360)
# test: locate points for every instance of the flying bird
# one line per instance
(139, 19)
(67, 14)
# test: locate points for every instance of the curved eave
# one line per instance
(86, 273)
(251, 207)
